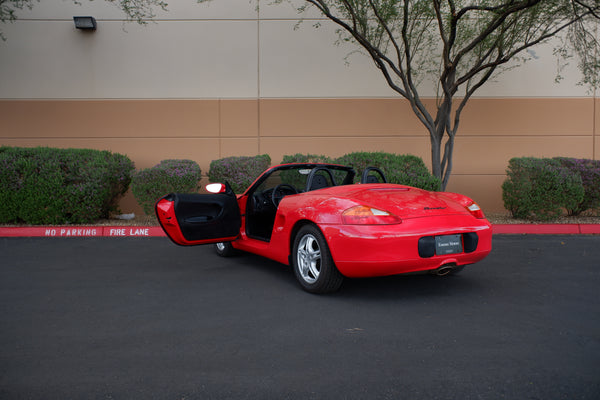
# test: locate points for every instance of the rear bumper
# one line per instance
(380, 250)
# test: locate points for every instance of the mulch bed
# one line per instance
(494, 218)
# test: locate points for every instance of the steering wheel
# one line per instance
(278, 194)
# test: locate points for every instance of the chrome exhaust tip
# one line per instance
(444, 270)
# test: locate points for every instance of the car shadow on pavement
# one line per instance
(393, 287)
(411, 286)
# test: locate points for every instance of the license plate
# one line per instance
(448, 244)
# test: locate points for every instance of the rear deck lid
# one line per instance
(404, 201)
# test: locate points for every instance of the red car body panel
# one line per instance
(360, 252)
(363, 250)
(373, 250)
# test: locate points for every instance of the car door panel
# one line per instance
(191, 219)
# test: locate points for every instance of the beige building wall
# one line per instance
(209, 81)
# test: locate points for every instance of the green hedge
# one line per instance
(540, 188)
(589, 170)
(306, 158)
(403, 169)
(60, 186)
(168, 176)
(239, 172)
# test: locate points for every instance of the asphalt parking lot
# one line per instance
(105, 318)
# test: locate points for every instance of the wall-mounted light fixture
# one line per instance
(85, 23)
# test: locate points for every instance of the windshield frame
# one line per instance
(349, 179)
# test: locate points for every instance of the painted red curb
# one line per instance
(83, 231)
(590, 229)
(156, 231)
(546, 229)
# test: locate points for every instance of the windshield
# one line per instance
(297, 176)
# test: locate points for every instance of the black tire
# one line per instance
(312, 263)
(225, 249)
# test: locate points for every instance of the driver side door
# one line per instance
(193, 219)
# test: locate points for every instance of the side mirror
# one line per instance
(216, 188)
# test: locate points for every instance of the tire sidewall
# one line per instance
(226, 251)
(330, 279)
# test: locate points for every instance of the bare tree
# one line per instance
(460, 44)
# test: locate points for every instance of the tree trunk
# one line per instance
(436, 159)
(441, 163)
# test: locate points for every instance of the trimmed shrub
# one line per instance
(589, 170)
(306, 158)
(401, 169)
(168, 176)
(299, 181)
(239, 172)
(60, 186)
(540, 188)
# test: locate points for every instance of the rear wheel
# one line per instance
(312, 262)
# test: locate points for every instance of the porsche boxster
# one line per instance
(315, 218)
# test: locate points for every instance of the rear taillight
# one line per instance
(364, 215)
(475, 210)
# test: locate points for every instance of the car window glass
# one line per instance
(297, 177)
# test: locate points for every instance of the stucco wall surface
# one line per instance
(205, 81)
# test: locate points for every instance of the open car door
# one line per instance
(191, 219)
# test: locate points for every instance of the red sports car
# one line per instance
(316, 219)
